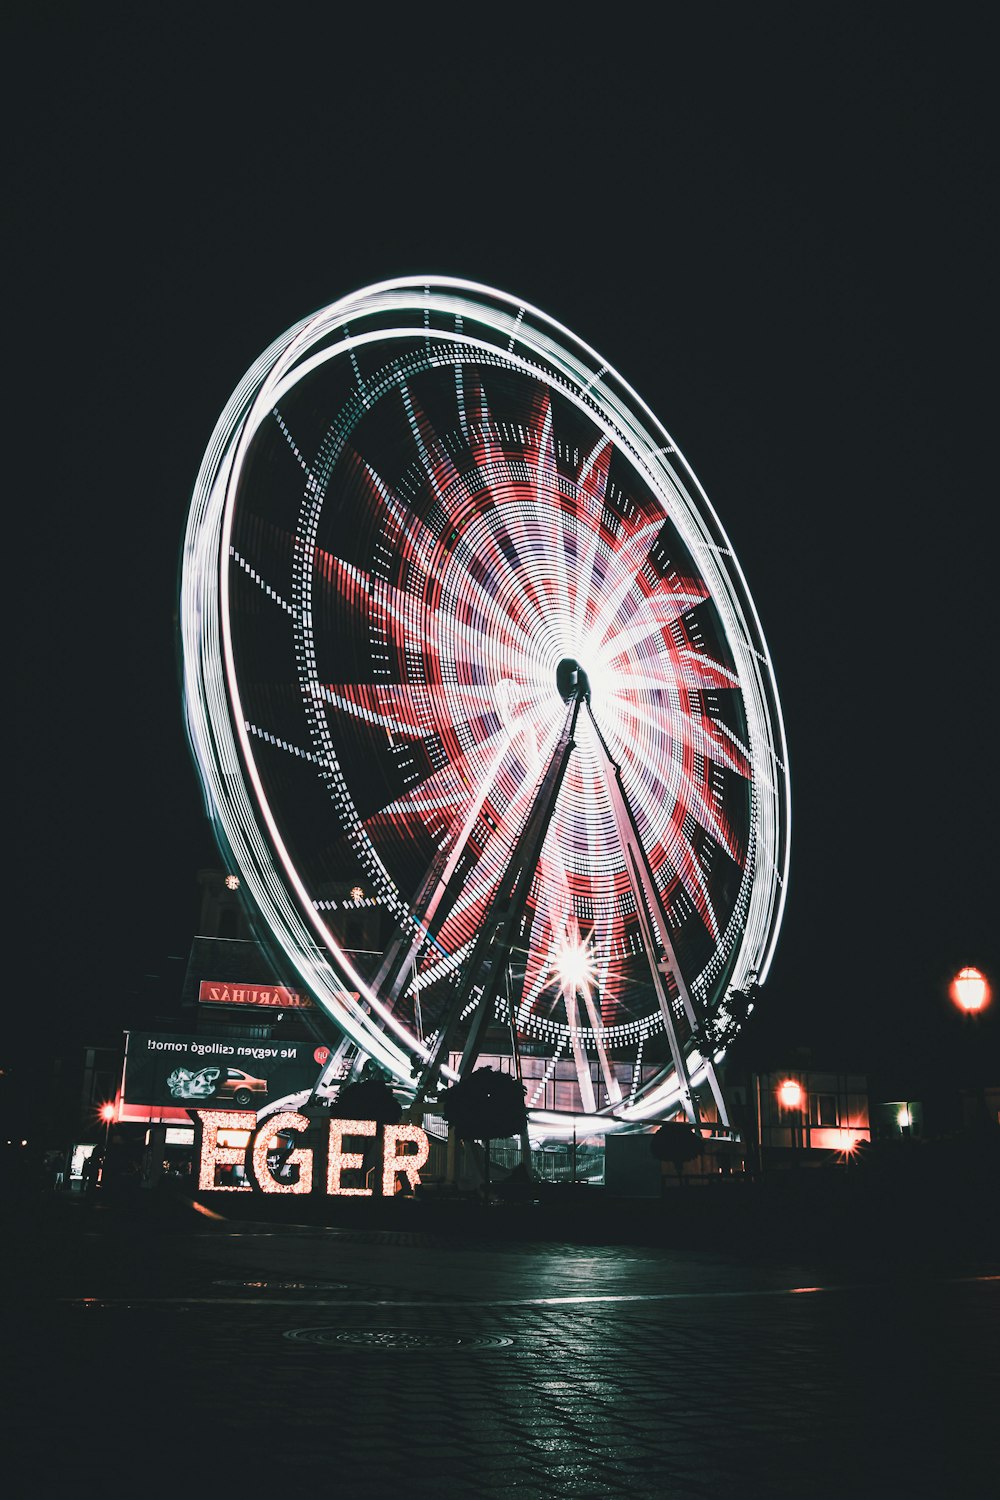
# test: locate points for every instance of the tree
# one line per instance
(368, 1099)
(486, 1106)
(677, 1143)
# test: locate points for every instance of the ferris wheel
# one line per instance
(462, 630)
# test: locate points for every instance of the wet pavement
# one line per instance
(194, 1355)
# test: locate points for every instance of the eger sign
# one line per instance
(319, 1166)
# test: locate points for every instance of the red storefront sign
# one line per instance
(269, 996)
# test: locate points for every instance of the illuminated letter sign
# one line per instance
(303, 1159)
(394, 1160)
(410, 1162)
(213, 1155)
(338, 1160)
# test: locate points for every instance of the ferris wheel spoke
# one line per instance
(262, 584)
(591, 488)
(681, 666)
(392, 613)
(492, 608)
(470, 899)
(697, 669)
(564, 549)
(266, 736)
(632, 558)
(671, 852)
(439, 467)
(681, 859)
(298, 455)
(694, 795)
(412, 710)
(435, 887)
(409, 535)
(674, 855)
(646, 629)
(479, 886)
(464, 785)
(592, 480)
(484, 444)
(497, 548)
(505, 550)
(692, 728)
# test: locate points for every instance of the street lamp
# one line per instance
(107, 1113)
(970, 990)
(790, 1093)
(790, 1097)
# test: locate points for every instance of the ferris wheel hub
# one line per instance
(572, 682)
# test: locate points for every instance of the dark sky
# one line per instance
(777, 222)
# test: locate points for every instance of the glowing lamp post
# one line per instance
(970, 990)
(790, 1097)
(107, 1114)
(790, 1094)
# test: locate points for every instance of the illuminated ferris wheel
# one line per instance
(460, 626)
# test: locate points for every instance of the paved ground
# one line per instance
(188, 1356)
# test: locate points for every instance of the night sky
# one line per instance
(778, 224)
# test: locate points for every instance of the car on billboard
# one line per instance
(216, 1084)
(241, 1087)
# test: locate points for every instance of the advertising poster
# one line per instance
(165, 1076)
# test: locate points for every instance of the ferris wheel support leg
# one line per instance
(519, 1071)
(333, 1070)
(612, 1087)
(484, 971)
(580, 1056)
(653, 925)
(410, 937)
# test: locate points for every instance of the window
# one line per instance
(823, 1109)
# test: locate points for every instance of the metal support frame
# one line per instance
(433, 900)
(487, 964)
(656, 939)
(343, 1057)
(487, 967)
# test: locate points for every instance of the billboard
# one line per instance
(167, 1076)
